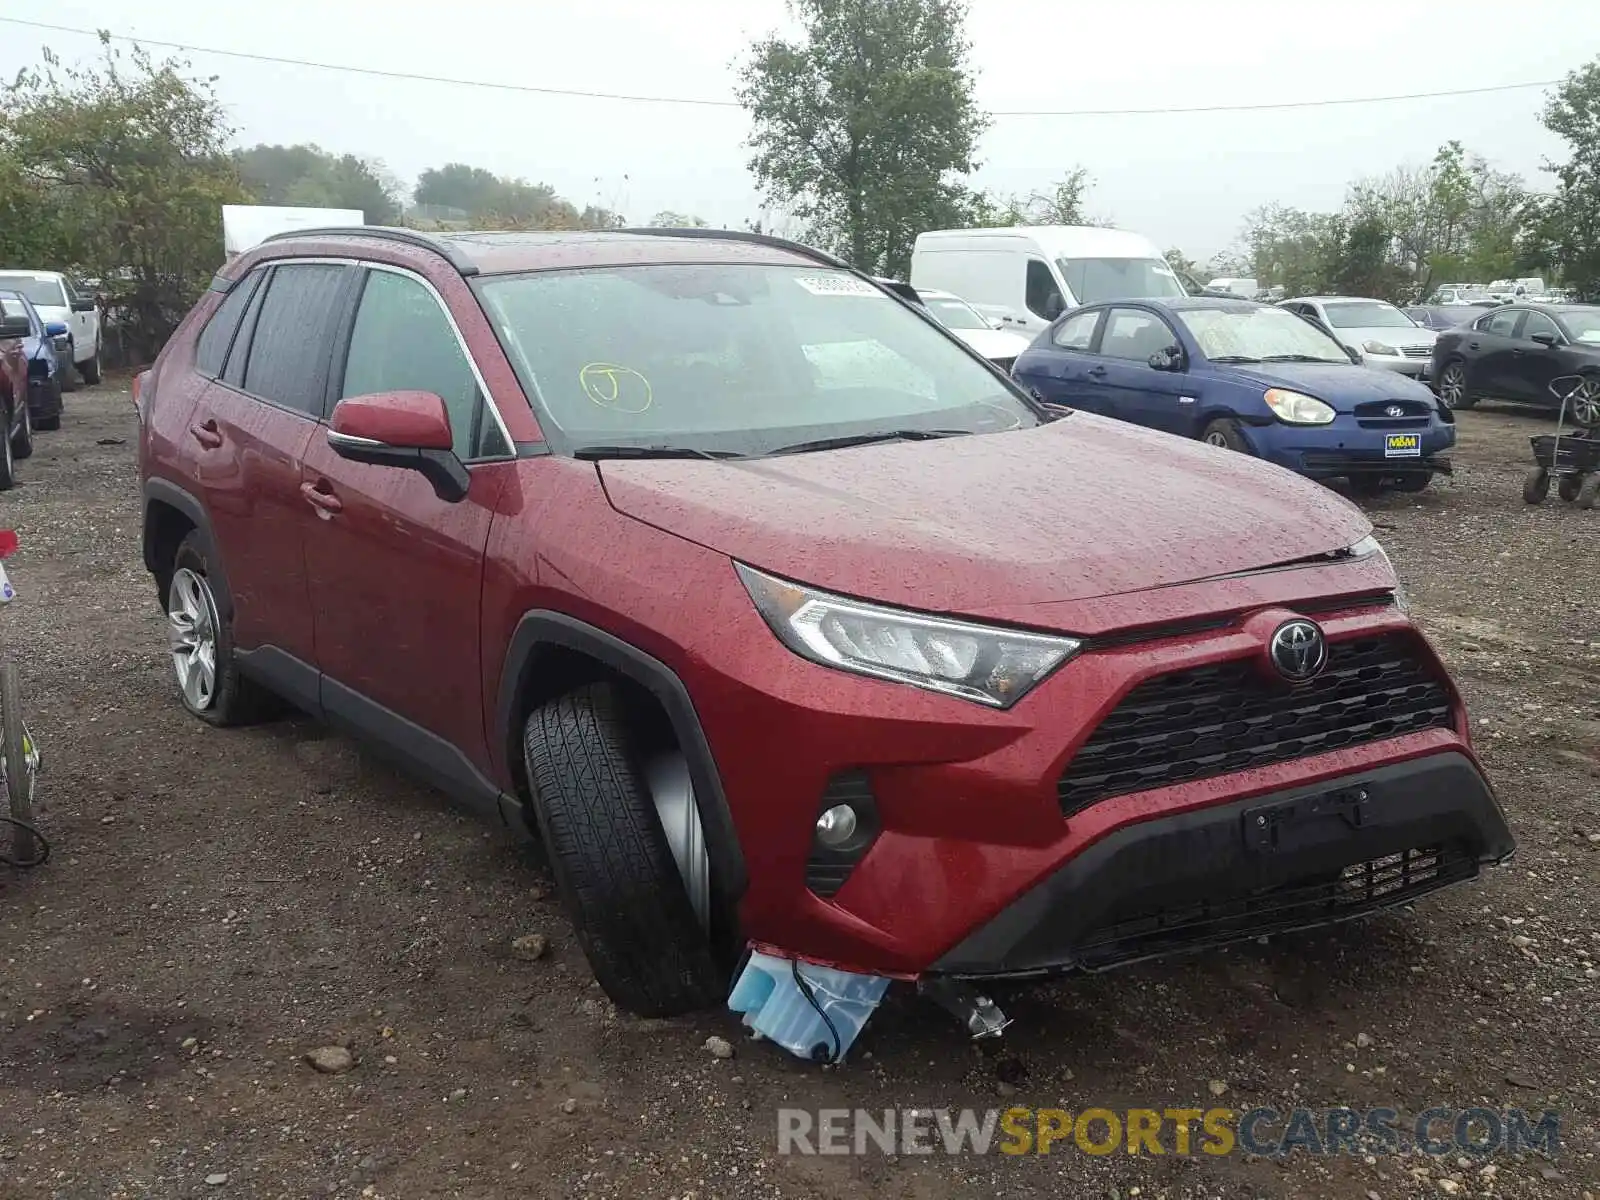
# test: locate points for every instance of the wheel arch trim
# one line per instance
(540, 629)
(165, 492)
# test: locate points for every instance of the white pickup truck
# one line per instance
(53, 295)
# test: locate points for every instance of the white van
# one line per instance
(1244, 288)
(1025, 276)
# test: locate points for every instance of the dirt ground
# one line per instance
(220, 903)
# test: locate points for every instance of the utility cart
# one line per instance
(1569, 460)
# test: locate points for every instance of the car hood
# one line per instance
(1079, 508)
(1389, 336)
(1340, 385)
(994, 343)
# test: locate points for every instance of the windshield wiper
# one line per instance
(591, 453)
(1300, 358)
(866, 439)
(1233, 358)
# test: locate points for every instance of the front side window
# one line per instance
(735, 358)
(288, 352)
(1366, 314)
(1134, 334)
(402, 341)
(1044, 296)
(1259, 335)
(1096, 280)
(1077, 331)
(1539, 323)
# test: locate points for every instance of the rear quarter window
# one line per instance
(211, 350)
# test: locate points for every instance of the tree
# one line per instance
(1359, 260)
(1290, 247)
(667, 219)
(126, 162)
(309, 176)
(1063, 204)
(866, 125)
(1564, 228)
(497, 201)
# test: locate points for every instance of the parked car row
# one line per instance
(595, 531)
(48, 333)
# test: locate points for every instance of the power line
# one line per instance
(707, 102)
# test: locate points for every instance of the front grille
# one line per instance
(1358, 889)
(1215, 720)
(1417, 351)
(1374, 414)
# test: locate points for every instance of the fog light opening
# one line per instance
(836, 826)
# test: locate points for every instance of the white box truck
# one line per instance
(248, 225)
(1027, 275)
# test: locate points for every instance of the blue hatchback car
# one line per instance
(1246, 376)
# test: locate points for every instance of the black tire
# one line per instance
(611, 861)
(24, 847)
(1224, 432)
(1414, 481)
(1589, 493)
(22, 440)
(1536, 486)
(1568, 487)
(66, 375)
(234, 700)
(1366, 486)
(91, 370)
(1465, 399)
(8, 466)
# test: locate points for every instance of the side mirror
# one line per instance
(83, 304)
(1170, 359)
(1355, 355)
(15, 327)
(55, 329)
(1548, 340)
(408, 430)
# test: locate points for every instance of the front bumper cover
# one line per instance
(1288, 860)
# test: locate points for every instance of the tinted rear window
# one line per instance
(293, 334)
(212, 349)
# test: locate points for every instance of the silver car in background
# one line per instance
(1376, 330)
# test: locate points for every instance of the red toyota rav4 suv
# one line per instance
(782, 618)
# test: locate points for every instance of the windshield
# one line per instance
(41, 291)
(1259, 334)
(955, 314)
(735, 358)
(1367, 314)
(1096, 280)
(1583, 326)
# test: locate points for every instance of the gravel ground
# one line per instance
(221, 903)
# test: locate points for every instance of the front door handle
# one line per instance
(1097, 372)
(1472, 345)
(324, 501)
(207, 434)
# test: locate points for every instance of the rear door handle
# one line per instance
(1472, 345)
(324, 501)
(207, 434)
(1097, 372)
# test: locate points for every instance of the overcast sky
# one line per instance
(1184, 180)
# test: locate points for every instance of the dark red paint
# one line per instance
(417, 420)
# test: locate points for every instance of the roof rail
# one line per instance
(744, 235)
(387, 233)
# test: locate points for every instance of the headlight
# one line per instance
(982, 663)
(1370, 545)
(1297, 408)
(1380, 348)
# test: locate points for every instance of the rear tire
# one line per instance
(22, 443)
(611, 859)
(1569, 487)
(1366, 486)
(200, 641)
(8, 464)
(1416, 481)
(1452, 388)
(1224, 433)
(91, 370)
(14, 754)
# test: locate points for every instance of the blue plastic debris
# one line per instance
(813, 1012)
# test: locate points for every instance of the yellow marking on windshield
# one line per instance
(621, 389)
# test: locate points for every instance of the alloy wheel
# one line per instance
(1453, 385)
(672, 793)
(192, 636)
(1216, 439)
(1586, 404)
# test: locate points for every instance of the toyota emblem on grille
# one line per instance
(1298, 650)
(1395, 410)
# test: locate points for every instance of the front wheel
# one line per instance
(1224, 433)
(624, 841)
(1584, 403)
(1536, 486)
(22, 440)
(8, 461)
(90, 369)
(1453, 387)
(200, 641)
(1589, 493)
(16, 768)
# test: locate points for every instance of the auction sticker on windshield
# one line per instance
(1402, 445)
(837, 285)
